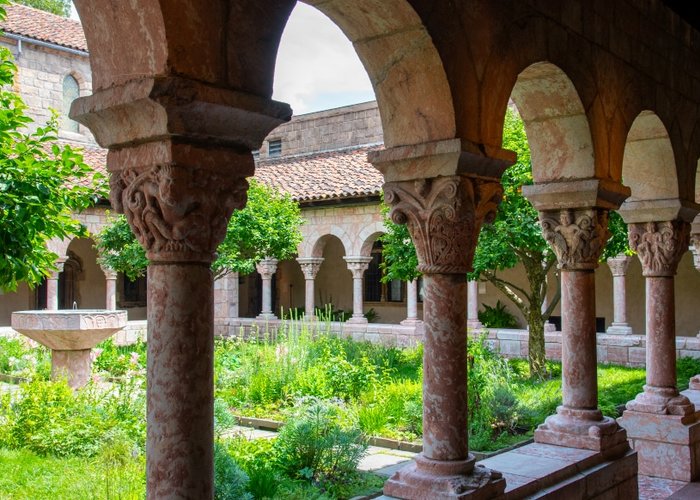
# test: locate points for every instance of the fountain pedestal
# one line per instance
(70, 334)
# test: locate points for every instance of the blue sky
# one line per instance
(317, 68)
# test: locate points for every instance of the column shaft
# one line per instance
(309, 302)
(619, 299)
(473, 305)
(661, 332)
(357, 303)
(411, 301)
(111, 294)
(266, 296)
(180, 381)
(52, 292)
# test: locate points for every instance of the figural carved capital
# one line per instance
(444, 216)
(618, 265)
(310, 266)
(178, 212)
(577, 236)
(357, 265)
(695, 249)
(659, 245)
(266, 268)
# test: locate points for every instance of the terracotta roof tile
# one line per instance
(40, 25)
(323, 176)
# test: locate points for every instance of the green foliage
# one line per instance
(268, 226)
(118, 361)
(399, 261)
(618, 242)
(42, 184)
(118, 249)
(230, 482)
(497, 316)
(321, 442)
(58, 7)
(19, 361)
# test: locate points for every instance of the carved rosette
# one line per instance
(618, 265)
(444, 216)
(178, 213)
(660, 245)
(266, 268)
(577, 236)
(310, 267)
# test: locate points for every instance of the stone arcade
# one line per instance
(608, 90)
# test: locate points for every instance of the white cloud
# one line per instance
(317, 67)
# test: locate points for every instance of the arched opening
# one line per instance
(84, 280)
(333, 282)
(71, 91)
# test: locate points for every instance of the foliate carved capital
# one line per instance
(444, 216)
(110, 274)
(618, 265)
(357, 265)
(178, 212)
(266, 268)
(695, 248)
(659, 245)
(577, 236)
(310, 266)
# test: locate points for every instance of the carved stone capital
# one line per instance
(357, 265)
(659, 245)
(618, 265)
(178, 198)
(310, 266)
(266, 268)
(110, 274)
(444, 216)
(577, 235)
(695, 249)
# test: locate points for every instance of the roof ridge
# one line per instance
(43, 12)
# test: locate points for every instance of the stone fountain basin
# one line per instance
(69, 329)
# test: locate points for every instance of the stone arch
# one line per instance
(238, 53)
(557, 128)
(319, 244)
(648, 165)
(367, 237)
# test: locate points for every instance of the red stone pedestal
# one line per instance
(668, 446)
(439, 480)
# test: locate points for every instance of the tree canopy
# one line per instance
(268, 226)
(42, 185)
(58, 7)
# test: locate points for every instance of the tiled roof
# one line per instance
(40, 25)
(323, 176)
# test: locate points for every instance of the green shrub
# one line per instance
(230, 482)
(372, 419)
(497, 316)
(118, 361)
(20, 360)
(223, 418)
(321, 442)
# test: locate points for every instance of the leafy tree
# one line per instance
(268, 226)
(42, 185)
(515, 236)
(400, 261)
(58, 7)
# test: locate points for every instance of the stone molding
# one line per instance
(310, 266)
(357, 265)
(266, 268)
(178, 211)
(660, 245)
(577, 236)
(444, 216)
(618, 265)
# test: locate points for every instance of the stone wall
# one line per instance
(327, 130)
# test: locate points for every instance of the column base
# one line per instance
(445, 480)
(411, 322)
(668, 446)
(266, 316)
(661, 401)
(619, 329)
(75, 366)
(358, 320)
(549, 327)
(475, 324)
(583, 429)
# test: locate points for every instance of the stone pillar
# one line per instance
(234, 296)
(473, 306)
(52, 286)
(548, 326)
(618, 266)
(267, 268)
(444, 215)
(357, 266)
(661, 423)
(179, 156)
(110, 289)
(577, 236)
(310, 267)
(411, 303)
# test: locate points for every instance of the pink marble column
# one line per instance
(618, 266)
(267, 268)
(52, 286)
(411, 303)
(473, 306)
(444, 216)
(660, 246)
(310, 267)
(357, 266)
(234, 297)
(577, 237)
(110, 289)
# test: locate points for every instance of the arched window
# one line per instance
(71, 91)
